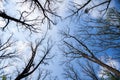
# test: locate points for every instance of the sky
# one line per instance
(53, 33)
(22, 40)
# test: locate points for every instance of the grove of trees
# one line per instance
(89, 45)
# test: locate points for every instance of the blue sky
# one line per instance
(22, 36)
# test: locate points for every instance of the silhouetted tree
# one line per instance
(93, 35)
(85, 7)
(87, 70)
(43, 12)
(28, 70)
(36, 14)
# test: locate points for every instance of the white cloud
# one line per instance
(95, 14)
(1, 5)
(2, 23)
(63, 7)
(80, 2)
(8, 70)
(21, 46)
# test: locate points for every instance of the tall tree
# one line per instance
(27, 17)
(87, 70)
(43, 12)
(94, 36)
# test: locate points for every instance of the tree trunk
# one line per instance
(96, 60)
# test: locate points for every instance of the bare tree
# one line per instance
(43, 12)
(103, 35)
(7, 53)
(81, 50)
(87, 69)
(28, 68)
(77, 9)
(45, 75)
(93, 35)
(36, 14)
(4, 45)
(31, 66)
(71, 73)
(46, 12)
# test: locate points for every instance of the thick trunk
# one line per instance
(96, 60)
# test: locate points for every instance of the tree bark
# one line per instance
(96, 60)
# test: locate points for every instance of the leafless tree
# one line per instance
(28, 70)
(45, 75)
(36, 14)
(45, 14)
(31, 66)
(87, 69)
(5, 53)
(81, 50)
(94, 35)
(85, 7)
(71, 73)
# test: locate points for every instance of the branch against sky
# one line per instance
(45, 75)
(81, 50)
(7, 53)
(93, 36)
(32, 15)
(70, 73)
(31, 67)
(22, 64)
(87, 70)
(87, 6)
(46, 7)
(77, 47)
(101, 34)
(36, 13)
(105, 29)
(28, 15)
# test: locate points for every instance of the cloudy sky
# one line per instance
(22, 36)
